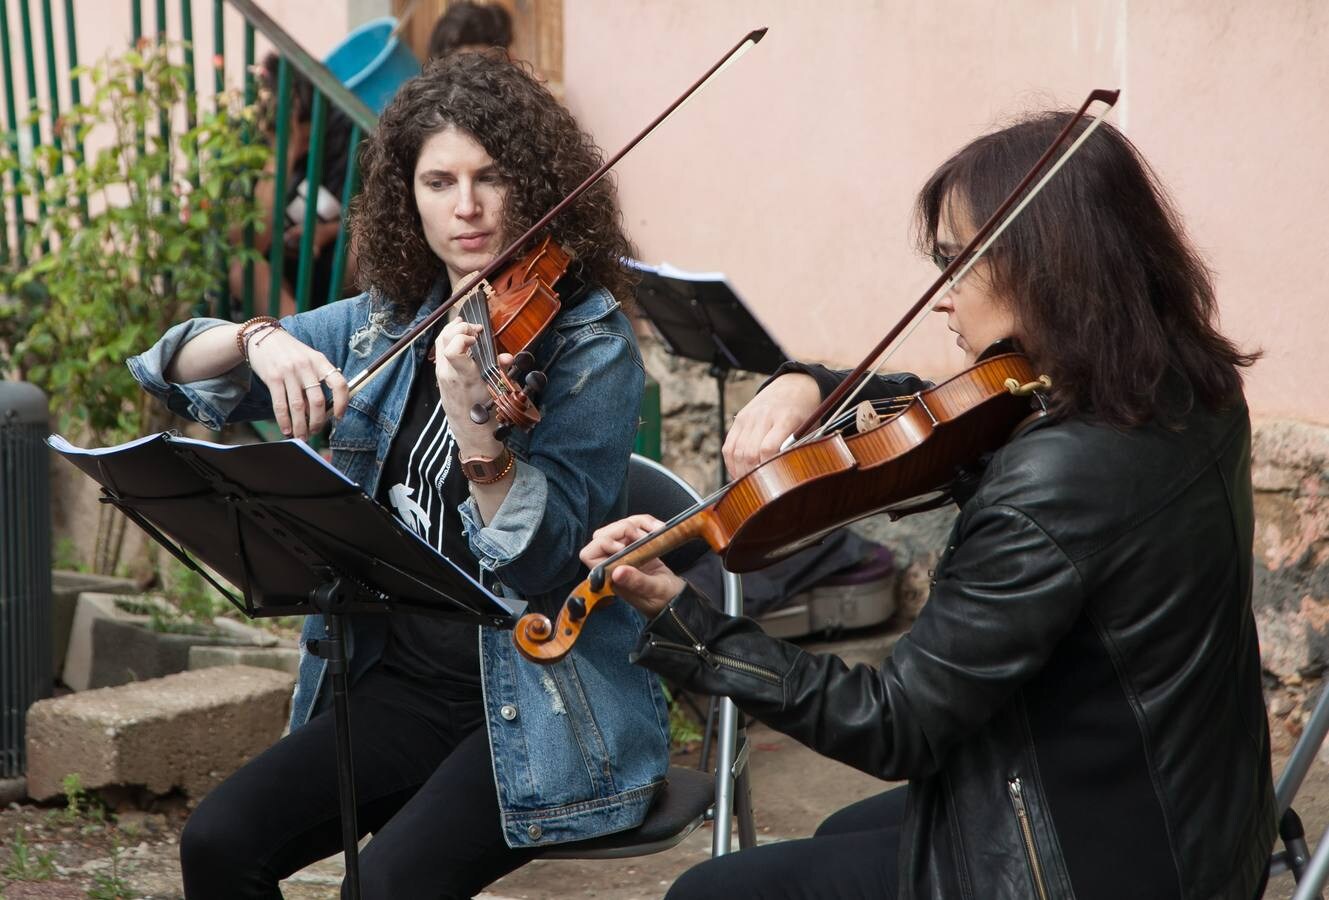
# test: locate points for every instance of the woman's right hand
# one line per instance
(295, 375)
(761, 427)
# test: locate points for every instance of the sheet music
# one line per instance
(186, 488)
(666, 270)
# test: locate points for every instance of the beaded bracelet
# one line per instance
(265, 329)
(240, 343)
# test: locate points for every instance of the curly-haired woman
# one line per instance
(467, 759)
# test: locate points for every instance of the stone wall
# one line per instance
(1291, 479)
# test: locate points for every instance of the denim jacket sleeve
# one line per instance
(234, 395)
(210, 401)
(574, 467)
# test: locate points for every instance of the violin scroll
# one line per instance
(545, 642)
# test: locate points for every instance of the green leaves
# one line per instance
(134, 234)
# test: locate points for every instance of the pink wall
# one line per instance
(104, 27)
(795, 172)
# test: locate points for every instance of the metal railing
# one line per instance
(334, 112)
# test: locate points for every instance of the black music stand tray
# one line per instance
(297, 537)
(699, 316)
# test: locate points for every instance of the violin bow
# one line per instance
(978, 245)
(504, 256)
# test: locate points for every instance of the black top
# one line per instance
(422, 483)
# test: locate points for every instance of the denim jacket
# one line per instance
(579, 747)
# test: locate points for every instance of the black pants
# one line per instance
(853, 854)
(424, 786)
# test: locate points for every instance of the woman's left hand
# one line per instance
(648, 587)
(461, 386)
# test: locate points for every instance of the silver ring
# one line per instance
(328, 373)
(308, 386)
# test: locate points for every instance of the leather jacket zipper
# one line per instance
(714, 660)
(1027, 834)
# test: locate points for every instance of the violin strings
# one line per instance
(475, 311)
(885, 406)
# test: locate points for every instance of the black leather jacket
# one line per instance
(1078, 708)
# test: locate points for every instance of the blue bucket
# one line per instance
(372, 63)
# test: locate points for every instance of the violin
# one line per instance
(513, 311)
(798, 497)
(873, 459)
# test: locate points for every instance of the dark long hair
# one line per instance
(537, 147)
(1114, 303)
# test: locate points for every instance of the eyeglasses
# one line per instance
(941, 260)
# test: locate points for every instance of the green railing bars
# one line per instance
(311, 118)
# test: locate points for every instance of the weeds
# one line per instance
(25, 864)
(111, 885)
(80, 806)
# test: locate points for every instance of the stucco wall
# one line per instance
(105, 27)
(795, 172)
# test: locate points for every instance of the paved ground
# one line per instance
(793, 790)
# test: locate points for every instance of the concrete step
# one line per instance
(283, 659)
(186, 731)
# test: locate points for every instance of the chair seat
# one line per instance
(678, 809)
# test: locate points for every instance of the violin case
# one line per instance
(844, 582)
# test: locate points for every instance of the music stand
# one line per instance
(699, 316)
(297, 536)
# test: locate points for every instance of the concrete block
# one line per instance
(65, 588)
(94, 606)
(110, 645)
(244, 633)
(187, 731)
(283, 659)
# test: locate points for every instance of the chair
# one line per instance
(690, 796)
(1310, 872)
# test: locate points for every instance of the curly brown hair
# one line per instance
(538, 148)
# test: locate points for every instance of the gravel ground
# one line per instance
(50, 852)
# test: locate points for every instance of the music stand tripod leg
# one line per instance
(720, 374)
(329, 599)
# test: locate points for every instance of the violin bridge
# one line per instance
(866, 417)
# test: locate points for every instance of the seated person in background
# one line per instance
(1078, 708)
(336, 150)
(470, 26)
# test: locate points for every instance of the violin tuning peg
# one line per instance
(501, 433)
(524, 361)
(480, 413)
(576, 609)
(535, 381)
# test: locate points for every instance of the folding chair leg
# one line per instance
(1295, 854)
(1315, 874)
(724, 778)
(747, 828)
(706, 732)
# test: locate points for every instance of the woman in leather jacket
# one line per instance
(1077, 710)
(467, 759)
